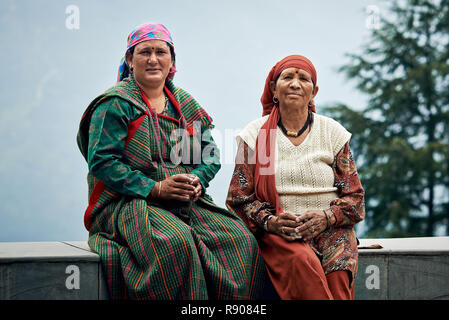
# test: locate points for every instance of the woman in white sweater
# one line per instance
(296, 186)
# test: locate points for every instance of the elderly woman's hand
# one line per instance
(283, 225)
(311, 224)
(176, 187)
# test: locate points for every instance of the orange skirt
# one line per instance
(297, 274)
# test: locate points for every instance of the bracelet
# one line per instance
(327, 219)
(159, 191)
(265, 222)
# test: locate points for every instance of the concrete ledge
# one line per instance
(403, 268)
(50, 271)
(46, 251)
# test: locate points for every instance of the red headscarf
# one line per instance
(264, 178)
(293, 61)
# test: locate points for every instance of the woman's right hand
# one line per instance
(176, 187)
(283, 225)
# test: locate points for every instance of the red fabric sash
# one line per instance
(283, 258)
(264, 178)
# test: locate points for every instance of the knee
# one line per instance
(177, 239)
(306, 258)
(245, 239)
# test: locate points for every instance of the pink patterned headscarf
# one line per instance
(144, 32)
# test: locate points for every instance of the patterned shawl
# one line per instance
(129, 91)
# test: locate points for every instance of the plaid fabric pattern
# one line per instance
(175, 250)
(149, 252)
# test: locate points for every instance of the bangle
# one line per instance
(265, 223)
(327, 219)
(159, 191)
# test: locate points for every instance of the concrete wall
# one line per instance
(407, 268)
(50, 271)
(404, 269)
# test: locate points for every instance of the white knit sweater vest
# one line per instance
(303, 174)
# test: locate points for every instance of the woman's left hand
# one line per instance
(312, 223)
(198, 188)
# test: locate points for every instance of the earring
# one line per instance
(276, 101)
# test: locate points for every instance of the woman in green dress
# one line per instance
(151, 157)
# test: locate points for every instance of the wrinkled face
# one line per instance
(151, 62)
(294, 87)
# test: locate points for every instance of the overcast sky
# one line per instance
(54, 64)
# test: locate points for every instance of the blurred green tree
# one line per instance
(401, 139)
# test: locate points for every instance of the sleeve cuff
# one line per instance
(149, 188)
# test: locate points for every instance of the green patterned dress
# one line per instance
(153, 249)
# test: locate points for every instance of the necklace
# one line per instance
(165, 110)
(293, 133)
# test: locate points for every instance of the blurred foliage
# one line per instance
(401, 139)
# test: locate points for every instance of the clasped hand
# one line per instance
(182, 187)
(292, 227)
